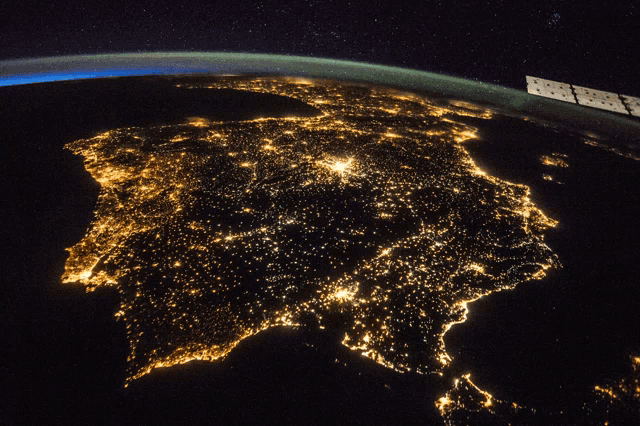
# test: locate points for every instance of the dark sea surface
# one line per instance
(548, 343)
(543, 345)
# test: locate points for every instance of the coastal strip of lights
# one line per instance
(370, 212)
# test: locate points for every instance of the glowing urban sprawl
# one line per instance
(371, 212)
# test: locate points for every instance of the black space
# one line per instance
(592, 43)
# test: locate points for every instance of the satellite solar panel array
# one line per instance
(584, 96)
(599, 99)
(550, 89)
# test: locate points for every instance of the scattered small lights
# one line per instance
(230, 228)
(609, 392)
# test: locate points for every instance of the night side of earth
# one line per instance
(269, 248)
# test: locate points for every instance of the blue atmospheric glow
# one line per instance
(84, 74)
(40, 70)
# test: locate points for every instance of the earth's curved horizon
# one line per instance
(574, 117)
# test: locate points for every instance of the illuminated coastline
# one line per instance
(371, 210)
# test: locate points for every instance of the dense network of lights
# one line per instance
(370, 216)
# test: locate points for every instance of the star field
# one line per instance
(591, 44)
